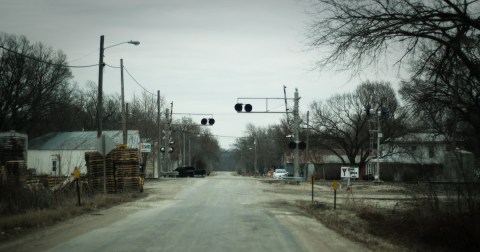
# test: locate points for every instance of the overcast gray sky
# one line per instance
(201, 54)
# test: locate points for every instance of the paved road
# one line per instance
(219, 213)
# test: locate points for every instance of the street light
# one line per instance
(101, 64)
(100, 84)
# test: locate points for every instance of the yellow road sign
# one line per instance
(76, 173)
(335, 185)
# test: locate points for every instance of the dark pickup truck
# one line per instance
(190, 171)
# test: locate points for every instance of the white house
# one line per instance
(58, 153)
(411, 157)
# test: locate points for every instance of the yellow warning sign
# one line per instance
(76, 173)
(335, 185)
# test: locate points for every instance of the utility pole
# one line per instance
(255, 155)
(307, 154)
(100, 90)
(166, 138)
(183, 147)
(379, 135)
(296, 133)
(159, 135)
(124, 117)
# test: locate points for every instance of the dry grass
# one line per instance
(23, 210)
(415, 229)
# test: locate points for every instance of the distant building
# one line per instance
(58, 153)
(412, 157)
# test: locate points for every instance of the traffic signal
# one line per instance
(368, 110)
(210, 121)
(301, 145)
(384, 113)
(292, 145)
(170, 149)
(239, 107)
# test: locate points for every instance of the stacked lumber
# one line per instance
(121, 169)
(13, 152)
(14, 173)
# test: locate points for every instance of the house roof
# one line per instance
(80, 140)
(421, 138)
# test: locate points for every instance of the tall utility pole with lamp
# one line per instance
(375, 116)
(101, 139)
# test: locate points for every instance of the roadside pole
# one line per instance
(335, 186)
(313, 180)
(76, 174)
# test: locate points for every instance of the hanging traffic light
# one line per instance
(292, 145)
(210, 121)
(302, 145)
(368, 110)
(384, 113)
(239, 106)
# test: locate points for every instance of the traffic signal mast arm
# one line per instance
(210, 121)
(248, 107)
(296, 120)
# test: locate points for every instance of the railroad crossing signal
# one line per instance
(239, 107)
(301, 145)
(210, 121)
(170, 149)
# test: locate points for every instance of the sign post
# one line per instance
(349, 173)
(335, 186)
(76, 175)
(311, 170)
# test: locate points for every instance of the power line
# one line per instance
(42, 61)
(137, 82)
(69, 66)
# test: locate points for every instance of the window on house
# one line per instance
(413, 148)
(54, 165)
(431, 151)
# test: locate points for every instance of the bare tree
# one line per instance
(261, 147)
(34, 83)
(437, 39)
(340, 123)
(359, 32)
(143, 115)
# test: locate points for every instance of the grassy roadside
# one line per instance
(415, 229)
(46, 208)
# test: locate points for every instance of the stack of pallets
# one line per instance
(121, 168)
(13, 153)
(14, 173)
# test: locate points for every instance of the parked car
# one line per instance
(280, 173)
(186, 171)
